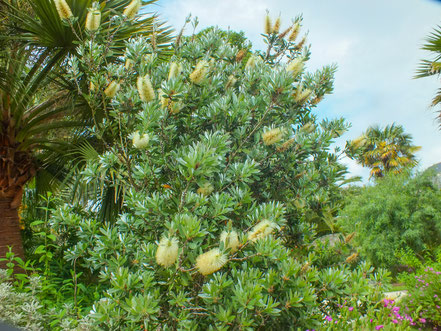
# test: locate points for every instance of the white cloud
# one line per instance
(376, 45)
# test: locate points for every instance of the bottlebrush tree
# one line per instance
(221, 170)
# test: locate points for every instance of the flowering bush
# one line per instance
(385, 315)
(206, 178)
(424, 296)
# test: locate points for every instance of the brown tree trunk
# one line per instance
(9, 230)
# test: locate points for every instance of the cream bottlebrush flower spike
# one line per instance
(93, 20)
(276, 27)
(359, 142)
(287, 144)
(230, 240)
(205, 189)
(308, 127)
(63, 9)
(165, 102)
(112, 89)
(199, 73)
(145, 89)
(294, 32)
(128, 64)
(302, 94)
(231, 81)
(261, 230)
(211, 261)
(272, 136)
(132, 9)
(140, 141)
(251, 63)
(295, 66)
(167, 252)
(268, 26)
(175, 70)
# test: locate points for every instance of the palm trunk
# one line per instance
(9, 230)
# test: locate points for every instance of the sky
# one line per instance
(376, 45)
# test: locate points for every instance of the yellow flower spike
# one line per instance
(295, 66)
(128, 65)
(145, 89)
(112, 89)
(140, 141)
(276, 27)
(92, 87)
(287, 144)
(132, 9)
(284, 33)
(230, 240)
(231, 81)
(261, 230)
(63, 9)
(205, 189)
(294, 32)
(359, 142)
(240, 55)
(251, 63)
(175, 70)
(167, 252)
(93, 20)
(199, 73)
(162, 99)
(308, 127)
(302, 95)
(349, 237)
(211, 261)
(268, 25)
(301, 43)
(351, 258)
(272, 136)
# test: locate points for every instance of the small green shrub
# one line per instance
(397, 212)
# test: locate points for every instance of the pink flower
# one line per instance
(423, 320)
(378, 327)
(351, 308)
(395, 321)
(328, 318)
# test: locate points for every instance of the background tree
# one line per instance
(38, 106)
(399, 212)
(383, 150)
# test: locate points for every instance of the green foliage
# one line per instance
(205, 154)
(432, 66)
(425, 295)
(208, 179)
(422, 281)
(398, 212)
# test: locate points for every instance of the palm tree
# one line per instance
(432, 67)
(383, 151)
(37, 107)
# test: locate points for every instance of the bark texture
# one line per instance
(9, 230)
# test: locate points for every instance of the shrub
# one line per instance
(397, 212)
(423, 283)
(425, 297)
(221, 173)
